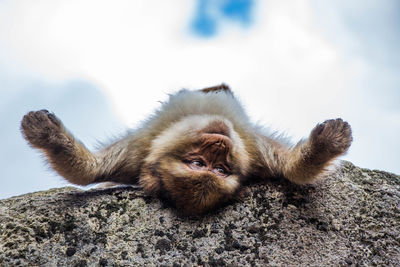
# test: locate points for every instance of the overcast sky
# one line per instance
(102, 66)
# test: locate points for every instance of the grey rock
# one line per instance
(350, 218)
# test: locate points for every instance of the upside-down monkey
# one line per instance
(195, 151)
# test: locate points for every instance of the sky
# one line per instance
(103, 66)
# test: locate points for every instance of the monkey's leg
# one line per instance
(305, 162)
(308, 160)
(70, 158)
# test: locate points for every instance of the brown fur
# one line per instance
(196, 151)
(221, 87)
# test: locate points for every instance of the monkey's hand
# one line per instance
(66, 155)
(44, 130)
(308, 160)
(329, 140)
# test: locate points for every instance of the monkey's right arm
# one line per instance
(70, 158)
(305, 162)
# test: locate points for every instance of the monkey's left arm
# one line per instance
(305, 162)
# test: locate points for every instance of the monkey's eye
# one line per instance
(221, 171)
(197, 164)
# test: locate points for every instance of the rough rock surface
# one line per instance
(350, 218)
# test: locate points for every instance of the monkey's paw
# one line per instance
(331, 138)
(42, 129)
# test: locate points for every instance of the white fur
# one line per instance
(186, 103)
(192, 111)
(191, 126)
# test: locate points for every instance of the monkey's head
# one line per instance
(196, 163)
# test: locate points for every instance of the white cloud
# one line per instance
(135, 55)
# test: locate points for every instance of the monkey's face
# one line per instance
(198, 168)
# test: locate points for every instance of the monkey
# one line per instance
(196, 151)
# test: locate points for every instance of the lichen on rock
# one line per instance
(350, 218)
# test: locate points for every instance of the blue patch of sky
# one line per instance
(83, 108)
(375, 25)
(378, 29)
(210, 14)
(374, 30)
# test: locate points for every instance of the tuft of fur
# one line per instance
(196, 150)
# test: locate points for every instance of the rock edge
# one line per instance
(351, 218)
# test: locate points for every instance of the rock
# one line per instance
(350, 218)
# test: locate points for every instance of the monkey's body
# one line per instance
(196, 150)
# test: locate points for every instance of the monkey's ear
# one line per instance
(222, 87)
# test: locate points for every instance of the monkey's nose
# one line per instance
(217, 142)
(220, 144)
